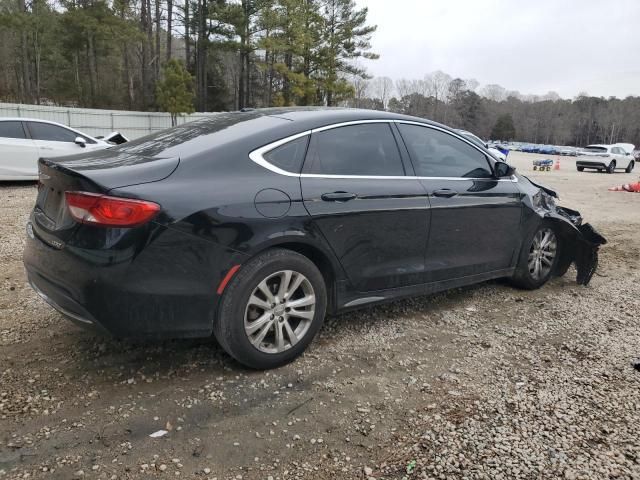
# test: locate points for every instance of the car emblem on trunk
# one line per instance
(44, 176)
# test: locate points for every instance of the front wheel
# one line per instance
(581, 169)
(629, 168)
(538, 258)
(272, 309)
(612, 167)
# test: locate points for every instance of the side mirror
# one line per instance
(80, 141)
(503, 169)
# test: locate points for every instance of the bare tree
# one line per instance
(493, 92)
(382, 88)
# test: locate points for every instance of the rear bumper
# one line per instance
(161, 286)
(589, 164)
(63, 303)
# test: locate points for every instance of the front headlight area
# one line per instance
(542, 200)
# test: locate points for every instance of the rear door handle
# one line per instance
(445, 192)
(338, 196)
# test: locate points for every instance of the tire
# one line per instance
(581, 169)
(244, 307)
(612, 167)
(526, 275)
(629, 168)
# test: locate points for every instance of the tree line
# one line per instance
(240, 53)
(213, 55)
(492, 112)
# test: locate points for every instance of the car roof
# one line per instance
(253, 128)
(320, 116)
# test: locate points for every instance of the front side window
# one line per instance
(439, 154)
(288, 157)
(367, 149)
(52, 133)
(11, 130)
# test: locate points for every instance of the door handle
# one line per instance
(445, 192)
(338, 196)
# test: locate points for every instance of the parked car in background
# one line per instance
(253, 225)
(24, 140)
(478, 141)
(567, 151)
(605, 158)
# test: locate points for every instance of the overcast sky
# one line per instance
(533, 46)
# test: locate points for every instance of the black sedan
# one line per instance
(254, 225)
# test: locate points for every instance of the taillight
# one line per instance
(106, 211)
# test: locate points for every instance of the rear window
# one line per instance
(595, 149)
(11, 130)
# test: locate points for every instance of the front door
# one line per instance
(475, 217)
(373, 216)
(53, 140)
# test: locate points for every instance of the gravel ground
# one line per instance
(483, 382)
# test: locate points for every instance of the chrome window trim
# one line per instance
(257, 155)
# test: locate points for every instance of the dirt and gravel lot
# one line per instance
(483, 382)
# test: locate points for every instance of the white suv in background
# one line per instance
(24, 140)
(607, 158)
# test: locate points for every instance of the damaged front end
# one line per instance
(580, 241)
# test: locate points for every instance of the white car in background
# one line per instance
(607, 158)
(24, 140)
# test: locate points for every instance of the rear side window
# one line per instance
(289, 157)
(439, 154)
(52, 133)
(366, 149)
(11, 130)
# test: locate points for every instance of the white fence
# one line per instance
(98, 122)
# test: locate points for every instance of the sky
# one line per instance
(533, 46)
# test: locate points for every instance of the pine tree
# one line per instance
(175, 90)
(504, 128)
(346, 38)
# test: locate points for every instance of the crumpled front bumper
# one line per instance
(582, 246)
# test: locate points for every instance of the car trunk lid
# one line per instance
(98, 172)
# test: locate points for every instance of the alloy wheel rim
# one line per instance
(542, 253)
(279, 311)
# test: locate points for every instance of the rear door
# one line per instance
(53, 140)
(475, 218)
(18, 153)
(374, 216)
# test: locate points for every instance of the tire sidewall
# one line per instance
(230, 321)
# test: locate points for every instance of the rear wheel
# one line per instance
(581, 169)
(612, 167)
(272, 309)
(629, 168)
(538, 258)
